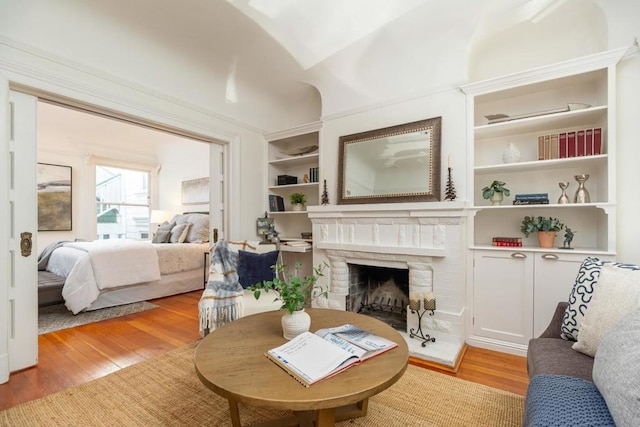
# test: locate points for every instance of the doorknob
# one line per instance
(25, 243)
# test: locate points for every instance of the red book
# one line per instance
(571, 144)
(597, 141)
(580, 147)
(562, 145)
(588, 140)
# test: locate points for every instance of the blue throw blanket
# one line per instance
(221, 300)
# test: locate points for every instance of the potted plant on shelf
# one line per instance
(547, 229)
(298, 200)
(495, 192)
(295, 293)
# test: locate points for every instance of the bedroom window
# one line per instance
(122, 203)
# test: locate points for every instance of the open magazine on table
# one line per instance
(310, 357)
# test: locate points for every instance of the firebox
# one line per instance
(380, 292)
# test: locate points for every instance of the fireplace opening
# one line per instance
(379, 292)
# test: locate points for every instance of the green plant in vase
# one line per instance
(495, 192)
(298, 200)
(546, 228)
(295, 292)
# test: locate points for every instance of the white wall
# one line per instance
(77, 139)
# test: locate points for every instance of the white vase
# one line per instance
(293, 324)
(298, 207)
(496, 198)
(511, 155)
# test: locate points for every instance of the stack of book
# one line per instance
(531, 199)
(276, 203)
(507, 241)
(313, 175)
(583, 142)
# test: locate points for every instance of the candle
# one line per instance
(324, 175)
(414, 302)
(449, 161)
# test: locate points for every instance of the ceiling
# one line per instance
(350, 53)
(255, 61)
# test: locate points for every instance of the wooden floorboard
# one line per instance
(75, 356)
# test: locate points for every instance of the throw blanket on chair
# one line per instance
(221, 301)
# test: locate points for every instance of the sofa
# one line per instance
(598, 383)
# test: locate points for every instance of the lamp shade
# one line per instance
(158, 217)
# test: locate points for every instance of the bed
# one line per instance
(105, 273)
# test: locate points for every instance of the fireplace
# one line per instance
(379, 292)
(380, 255)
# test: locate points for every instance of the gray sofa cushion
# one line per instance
(555, 356)
(616, 372)
(559, 400)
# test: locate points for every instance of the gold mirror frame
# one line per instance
(429, 128)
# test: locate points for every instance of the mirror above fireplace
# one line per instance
(389, 165)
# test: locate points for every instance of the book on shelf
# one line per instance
(532, 196)
(581, 148)
(276, 203)
(597, 141)
(297, 243)
(588, 142)
(313, 357)
(562, 145)
(555, 148)
(507, 241)
(531, 202)
(571, 144)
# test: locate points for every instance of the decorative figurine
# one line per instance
(568, 237)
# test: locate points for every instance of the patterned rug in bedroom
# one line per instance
(56, 317)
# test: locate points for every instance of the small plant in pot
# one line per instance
(298, 200)
(295, 292)
(495, 192)
(546, 227)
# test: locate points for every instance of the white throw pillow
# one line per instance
(617, 293)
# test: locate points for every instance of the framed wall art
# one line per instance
(54, 197)
(195, 191)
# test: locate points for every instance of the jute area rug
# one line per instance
(165, 391)
(57, 317)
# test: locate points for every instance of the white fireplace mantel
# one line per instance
(426, 238)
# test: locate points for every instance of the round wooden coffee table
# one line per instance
(231, 362)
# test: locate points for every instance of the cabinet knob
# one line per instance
(518, 255)
(550, 256)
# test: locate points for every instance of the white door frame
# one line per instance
(230, 148)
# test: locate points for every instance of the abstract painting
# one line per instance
(195, 191)
(54, 197)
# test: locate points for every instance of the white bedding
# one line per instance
(81, 287)
(120, 262)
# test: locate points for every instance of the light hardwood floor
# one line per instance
(75, 356)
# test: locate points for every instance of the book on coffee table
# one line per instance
(310, 357)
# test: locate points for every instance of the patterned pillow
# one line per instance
(199, 230)
(581, 294)
(617, 293)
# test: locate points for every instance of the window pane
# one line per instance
(118, 185)
(120, 221)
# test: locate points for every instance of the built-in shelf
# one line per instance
(543, 165)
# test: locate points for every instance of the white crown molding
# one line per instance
(553, 71)
(52, 76)
(426, 93)
(294, 131)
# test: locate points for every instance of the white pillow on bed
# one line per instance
(199, 230)
(179, 233)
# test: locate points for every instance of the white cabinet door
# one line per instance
(554, 276)
(503, 296)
